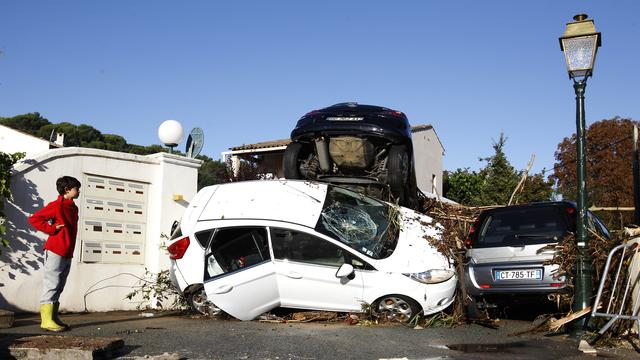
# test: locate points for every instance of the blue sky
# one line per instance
(245, 71)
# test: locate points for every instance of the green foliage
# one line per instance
(159, 288)
(499, 177)
(462, 186)
(6, 162)
(29, 123)
(211, 172)
(494, 183)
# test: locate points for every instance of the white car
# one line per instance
(249, 247)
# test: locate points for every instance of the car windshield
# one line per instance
(367, 225)
(522, 226)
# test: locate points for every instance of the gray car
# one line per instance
(508, 246)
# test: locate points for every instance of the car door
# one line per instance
(240, 277)
(306, 267)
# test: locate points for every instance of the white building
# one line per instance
(127, 203)
(13, 141)
(428, 153)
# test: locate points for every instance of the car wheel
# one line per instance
(398, 168)
(290, 162)
(198, 301)
(396, 307)
(473, 311)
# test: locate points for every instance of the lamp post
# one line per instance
(580, 43)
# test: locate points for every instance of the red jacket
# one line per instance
(60, 211)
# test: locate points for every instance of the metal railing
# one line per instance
(617, 307)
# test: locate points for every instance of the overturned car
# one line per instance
(363, 146)
(249, 247)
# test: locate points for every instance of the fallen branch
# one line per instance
(523, 178)
(567, 319)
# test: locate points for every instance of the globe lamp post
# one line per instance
(580, 43)
(170, 133)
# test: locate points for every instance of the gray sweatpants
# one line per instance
(56, 270)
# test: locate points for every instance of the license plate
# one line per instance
(345, 118)
(524, 274)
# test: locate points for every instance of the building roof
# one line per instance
(264, 145)
(51, 143)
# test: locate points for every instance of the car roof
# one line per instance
(529, 205)
(294, 201)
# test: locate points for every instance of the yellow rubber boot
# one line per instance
(56, 317)
(46, 317)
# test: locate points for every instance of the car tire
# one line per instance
(290, 162)
(473, 311)
(398, 171)
(197, 299)
(396, 308)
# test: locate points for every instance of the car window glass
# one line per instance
(234, 249)
(596, 225)
(364, 224)
(203, 237)
(298, 246)
(522, 226)
(176, 231)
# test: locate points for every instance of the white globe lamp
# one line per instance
(170, 133)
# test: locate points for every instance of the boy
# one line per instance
(59, 219)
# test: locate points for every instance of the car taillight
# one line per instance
(394, 113)
(312, 112)
(178, 248)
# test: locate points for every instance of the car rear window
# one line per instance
(522, 226)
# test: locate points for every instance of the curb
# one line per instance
(6, 319)
(53, 347)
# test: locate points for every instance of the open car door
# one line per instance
(240, 277)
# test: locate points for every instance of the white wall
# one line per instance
(102, 286)
(428, 158)
(12, 141)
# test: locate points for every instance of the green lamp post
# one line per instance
(580, 43)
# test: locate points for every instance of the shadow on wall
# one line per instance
(24, 256)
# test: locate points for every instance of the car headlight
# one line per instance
(432, 276)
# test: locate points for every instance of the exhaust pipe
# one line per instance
(551, 297)
(323, 154)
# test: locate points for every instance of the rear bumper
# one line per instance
(177, 280)
(480, 280)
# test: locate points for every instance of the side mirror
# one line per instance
(346, 270)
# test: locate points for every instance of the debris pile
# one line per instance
(458, 221)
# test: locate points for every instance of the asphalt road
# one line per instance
(201, 338)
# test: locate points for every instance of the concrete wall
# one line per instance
(90, 286)
(428, 158)
(12, 141)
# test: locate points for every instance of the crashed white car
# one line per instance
(249, 247)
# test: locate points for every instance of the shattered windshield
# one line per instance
(365, 224)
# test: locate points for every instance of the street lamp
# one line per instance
(580, 43)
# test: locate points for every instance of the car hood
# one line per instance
(414, 252)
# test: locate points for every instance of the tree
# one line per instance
(211, 172)
(29, 123)
(609, 170)
(462, 186)
(494, 183)
(499, 177)
(6, 162)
